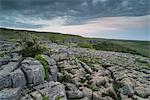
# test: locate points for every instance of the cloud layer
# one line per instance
(76, 11)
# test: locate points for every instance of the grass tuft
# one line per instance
(44, 63)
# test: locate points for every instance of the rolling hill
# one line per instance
(125, 46)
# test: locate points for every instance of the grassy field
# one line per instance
(127, 46)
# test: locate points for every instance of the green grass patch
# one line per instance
(44, 63)
(93, 87)
(31, 51)
(109, 46)
(58, 98)
(143, 64)
(45, 98)
(85, 45)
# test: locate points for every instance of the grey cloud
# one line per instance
(79, 10)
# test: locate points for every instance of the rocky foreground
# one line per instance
(73, 74)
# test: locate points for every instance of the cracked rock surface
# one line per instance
(74, 74)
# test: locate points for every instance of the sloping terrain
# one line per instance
(127, 46)
(61, 72)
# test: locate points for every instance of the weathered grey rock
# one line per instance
(53, 71)
(60, 76)
(33, 71)
(60, 56)
(50, 60)
(10, 94)
(57, 91)
(53, 90)
(5, 81)
(146, 71)
(70, 87)
(4, 60)
(6, 69)
(82, 79)
(106, 64)
(86, 67)
(11, 79)
(98, 96)
(15, 57)
(142, 92)
(52, 68)
(100, 80)
(87, 92)
(85, 98)
(127, 81)
(50, 78)
(74, 94)
(124, 97)
(27, 97)
(18, 78)
(110, 91)
(37, 95)
(135, 97)
(127, 89)
(88, 77)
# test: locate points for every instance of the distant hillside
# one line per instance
(126, 46)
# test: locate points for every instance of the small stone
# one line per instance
(87, 92)
(70, 87)
(85, 98)
(50, 78)
(124, 97)
(74, 94)
(60, 56)
(37, 95)
(27, 97)
(88, 77)
(60, 76)
(86, 67)
(146, 71)
(127, 90)
(97, 96)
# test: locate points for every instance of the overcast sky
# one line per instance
(117, 19)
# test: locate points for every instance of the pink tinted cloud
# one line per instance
(123, 22)
(98, 25)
